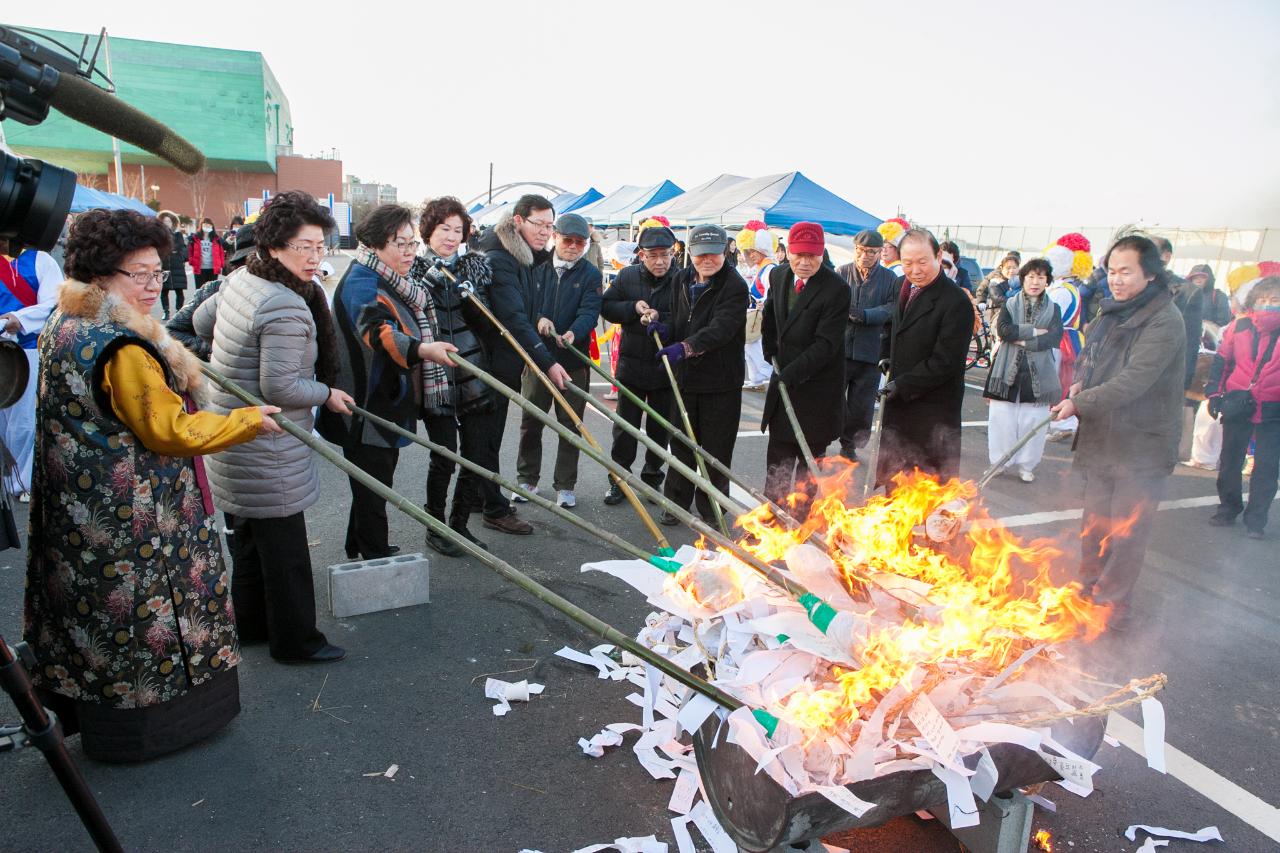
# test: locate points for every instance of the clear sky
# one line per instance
(1088, 113)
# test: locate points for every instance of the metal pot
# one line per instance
(15, 372)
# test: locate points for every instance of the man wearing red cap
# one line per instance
(931, 326)
(804, 321)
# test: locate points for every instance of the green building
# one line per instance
(226, 102)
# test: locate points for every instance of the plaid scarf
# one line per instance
(435, 382)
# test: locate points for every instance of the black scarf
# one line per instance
(317, 302)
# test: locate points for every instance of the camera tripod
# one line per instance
(40, 729)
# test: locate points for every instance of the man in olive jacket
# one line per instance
(638, 297)
(708, 351)
(803, 328)
(872, 291)
(1128, 395)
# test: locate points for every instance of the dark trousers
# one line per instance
(625, 446)
(861, 381)
(367, 519)
(474, 433)
(1266, 468)
(785, 470)
(1119, 511)
(529, 462)
(714, 417)
(179, 297)
(272, 590)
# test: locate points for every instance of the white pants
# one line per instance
(18, 431)
(1008, 422)
(759, 371)
(1206, 441)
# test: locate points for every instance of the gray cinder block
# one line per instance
(368, 586)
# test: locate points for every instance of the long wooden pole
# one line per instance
(795, 423)
(757, 495)
(630, 495)
(770, 573)
(533, 497)
(498, 565)
(990, 473)
(688, 429)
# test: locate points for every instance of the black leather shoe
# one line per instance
(328, 653)
(668, 520)
(614, 496)
(441, 545)
(1222, 519)
(391, 551)
(461, 530)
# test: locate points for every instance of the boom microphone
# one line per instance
(79, 99)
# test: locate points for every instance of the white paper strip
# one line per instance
(1208, 833)
(705, 820)
(985, 776)
(841, 796)
(962, 810)
(1153, 733)
(935, 729)
(683, 792)
(695, 712)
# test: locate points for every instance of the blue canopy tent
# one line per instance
(475, 207)
(618, 207)
(779, 201)
(583, 200)
(87, 198)
(559, 202)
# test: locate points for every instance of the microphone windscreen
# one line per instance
(77, 98)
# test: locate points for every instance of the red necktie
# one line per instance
(799, 285)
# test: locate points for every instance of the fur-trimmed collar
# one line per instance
(90, 302)
(511, 240)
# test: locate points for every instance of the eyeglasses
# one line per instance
(160, 276)
(307, 250)
(541, 225)
(573, 241)
(409, 247)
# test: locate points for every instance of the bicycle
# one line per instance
(979, 354)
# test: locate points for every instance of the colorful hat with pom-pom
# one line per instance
(1061, 260)
(1239, 276)
(756, 236)
(1081, 261)
(893, 229)
(653, 221)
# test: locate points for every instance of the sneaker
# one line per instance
(521, 499)
(566, 498)
(1061, 435)
(611, 394)
(510, 523)
(614, 496)
(1222, 519)
(667, 519)
(1203, 466)
(24, 498)
(1026, 476)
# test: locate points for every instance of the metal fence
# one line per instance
(1223, 249)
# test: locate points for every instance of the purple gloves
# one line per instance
(674, 353)
(657, 327)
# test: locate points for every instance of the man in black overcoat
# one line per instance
(803, 328)
(929, 338)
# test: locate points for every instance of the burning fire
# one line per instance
(989, 595)
(1043, 840)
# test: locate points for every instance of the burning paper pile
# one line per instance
(904, 653)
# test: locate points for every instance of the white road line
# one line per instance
(974, 387)
(748, 433)
(1210, 785)
(1033, 518)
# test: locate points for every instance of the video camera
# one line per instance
(38, 72)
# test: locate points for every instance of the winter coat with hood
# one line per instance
(1189, 300)
(1215, 305)
(712, 325)
(264, 339)
(218, 255)
(637, 367)
(572, 303)
(515, 296)
(1244, 343)
(1131, 369)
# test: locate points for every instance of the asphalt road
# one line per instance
(289, 773)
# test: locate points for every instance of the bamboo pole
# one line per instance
(498, 565)
(770, 573)
(757, 495)
(990, 473)
(795, 423)
(533, 497)
(630, 495)
(684, 470)
(688, 428)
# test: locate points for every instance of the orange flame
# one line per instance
(994, 595)
(1043, 840)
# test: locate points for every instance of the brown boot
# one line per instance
(509, 523)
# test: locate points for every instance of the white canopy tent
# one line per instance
(618, 207)
(692, 202)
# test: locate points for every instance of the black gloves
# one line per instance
(888, 392)
(857, 315)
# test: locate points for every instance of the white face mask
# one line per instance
(208, 229)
